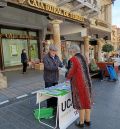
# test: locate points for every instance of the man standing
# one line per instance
(51, 71)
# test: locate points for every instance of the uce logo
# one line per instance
(66, 104)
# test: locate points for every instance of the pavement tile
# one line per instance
(3, 97)
(15, 118)
(3, 121)
(8, 126)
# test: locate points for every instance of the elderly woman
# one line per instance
(81, 85)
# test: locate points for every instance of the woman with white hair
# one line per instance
(81, 85)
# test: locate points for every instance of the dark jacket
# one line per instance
(23, 58)
(68, 67)
(51, 72)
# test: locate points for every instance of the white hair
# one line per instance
(75, 47)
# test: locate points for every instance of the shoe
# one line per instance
(79, 125)
(87, 123)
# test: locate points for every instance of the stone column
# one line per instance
(56, 35)
(100, 44)
(86, 47)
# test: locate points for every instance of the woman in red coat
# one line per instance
(81, 85)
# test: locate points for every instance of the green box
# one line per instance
(44, 113)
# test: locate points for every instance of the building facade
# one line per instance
(31, 24)
(115, 37)
(119, 39)
(100, 29)
(35, 24)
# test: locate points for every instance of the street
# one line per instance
(105, 111)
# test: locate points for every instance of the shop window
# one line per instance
(12, 49)
(33, 49)
(33, 33)
(12, 46)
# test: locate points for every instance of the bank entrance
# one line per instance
(12, 43)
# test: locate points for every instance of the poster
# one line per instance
(13, 50)
(67, 115)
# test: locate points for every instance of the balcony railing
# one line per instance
(90, 5)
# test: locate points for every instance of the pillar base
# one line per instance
(3, 81)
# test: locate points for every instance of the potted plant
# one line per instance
(107, 48)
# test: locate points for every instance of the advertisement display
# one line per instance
(14, 50)
(67, 115)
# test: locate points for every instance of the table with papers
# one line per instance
(65, 115)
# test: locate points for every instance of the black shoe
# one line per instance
(87, 123)
(79, 125)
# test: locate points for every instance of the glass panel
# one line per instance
(32, 33)
(12, 51)
(33, 50)
(17, 32)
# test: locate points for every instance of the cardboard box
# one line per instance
(39, 66)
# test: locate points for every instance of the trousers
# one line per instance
(52, 102)
(24, 67)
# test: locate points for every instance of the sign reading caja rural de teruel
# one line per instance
(52, 9)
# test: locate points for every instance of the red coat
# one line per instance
(81, 82)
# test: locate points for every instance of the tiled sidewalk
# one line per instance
(20, 85)
(105, 111)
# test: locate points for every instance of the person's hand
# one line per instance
(62, 69)
(67, 83)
